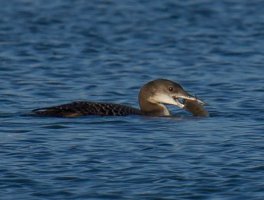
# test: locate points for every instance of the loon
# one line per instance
(152, 97)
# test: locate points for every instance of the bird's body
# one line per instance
(80, 108)
(152, 97)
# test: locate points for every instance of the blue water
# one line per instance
(56, 51)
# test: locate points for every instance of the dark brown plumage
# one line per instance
(87, 108)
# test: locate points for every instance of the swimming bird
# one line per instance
(152, 99)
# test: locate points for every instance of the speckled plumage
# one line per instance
(80, 108)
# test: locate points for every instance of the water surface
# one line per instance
(54, 52)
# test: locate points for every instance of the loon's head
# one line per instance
(155, 94)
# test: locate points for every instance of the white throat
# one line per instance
(160, 99)
(166, 112)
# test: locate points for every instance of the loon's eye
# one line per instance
(170, 89)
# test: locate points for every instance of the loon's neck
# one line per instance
(153, 109)
(149, 99)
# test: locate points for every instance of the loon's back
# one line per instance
(82, 108)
